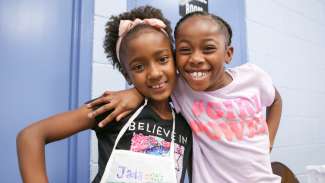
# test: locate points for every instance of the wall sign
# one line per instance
(188, 6)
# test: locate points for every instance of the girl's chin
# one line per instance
(159, 99)
(160, 96)
(197, 85)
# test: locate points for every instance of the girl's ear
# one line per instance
(126, 76)
(129, 81)
(229, 54)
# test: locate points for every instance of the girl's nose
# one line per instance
(154, 72)
(196, 58)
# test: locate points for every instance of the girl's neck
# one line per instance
(224, 80)
(227, 79)
(162, 108)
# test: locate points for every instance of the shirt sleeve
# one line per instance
(267, 90)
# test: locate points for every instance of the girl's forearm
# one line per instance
(31, 140)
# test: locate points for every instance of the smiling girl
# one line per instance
(152, 144)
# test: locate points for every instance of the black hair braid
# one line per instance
(225, 27)
(112, 28)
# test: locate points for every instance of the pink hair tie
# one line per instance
(127, 25)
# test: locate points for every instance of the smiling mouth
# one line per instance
(159, 86)
(198, 75)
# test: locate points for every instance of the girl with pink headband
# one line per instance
(152, 144)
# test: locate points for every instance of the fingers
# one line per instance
(109, 118)
(119, 103)
(108, 93)
(101, 110)
(122, 115)
(117, 114)
(101, 100)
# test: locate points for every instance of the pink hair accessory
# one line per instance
(127, 25)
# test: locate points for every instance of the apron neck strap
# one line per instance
(126, 126)
(131, 119)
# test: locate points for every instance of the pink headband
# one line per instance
(127, 25)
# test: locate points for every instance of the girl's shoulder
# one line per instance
(249, 70)
(247, 67)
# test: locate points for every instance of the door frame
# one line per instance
(80, 86)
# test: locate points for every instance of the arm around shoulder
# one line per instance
(121, 103)
(32, 139)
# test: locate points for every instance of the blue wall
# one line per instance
(45, 49)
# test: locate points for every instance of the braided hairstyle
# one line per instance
(224, 26)
(112, 31)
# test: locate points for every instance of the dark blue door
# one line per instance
(45, 53)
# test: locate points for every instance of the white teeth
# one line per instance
(198, 75)
(158, 86)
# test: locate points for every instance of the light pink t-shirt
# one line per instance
(230, 134)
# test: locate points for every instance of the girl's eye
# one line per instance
(163, 59)
(137, 67)
(184, 50)
(209, 49)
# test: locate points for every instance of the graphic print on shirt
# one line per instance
(229, 119)
(156, 144)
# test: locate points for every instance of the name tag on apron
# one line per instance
(126, 166)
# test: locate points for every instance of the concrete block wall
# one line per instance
(104, 76)
(287, 39)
